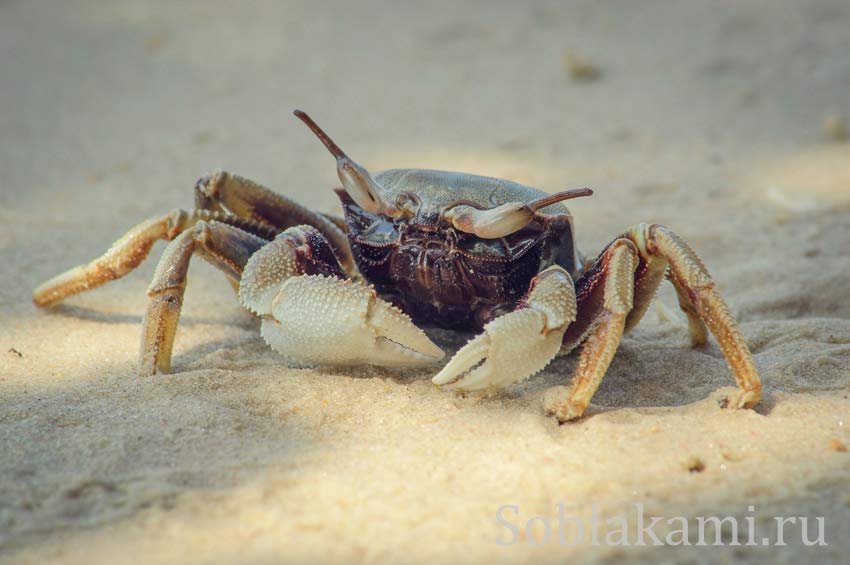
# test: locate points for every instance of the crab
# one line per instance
(419, 248)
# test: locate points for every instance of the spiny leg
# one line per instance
(248, 199)
(703, 305)
(312, 313)
(606, 295)
(130, 250)
(225, 246)
(122, 257)
(518, 344)
(659, 252)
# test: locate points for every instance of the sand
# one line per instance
(716, 119)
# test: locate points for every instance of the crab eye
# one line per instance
(358, 183)
(355, 179)
(406, 205)
(491, 224)
(507, 218)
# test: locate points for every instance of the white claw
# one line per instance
(261, 280)
(465, 359)
(327, 321)
(513, 347)
(519, 344)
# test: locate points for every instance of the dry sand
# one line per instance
(715, 118)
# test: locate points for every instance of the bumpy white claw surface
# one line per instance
(264, 273)
(327, 321)
(519, 344)
(512, 348)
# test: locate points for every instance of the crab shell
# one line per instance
(442, 276)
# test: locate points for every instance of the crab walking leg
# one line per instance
(611, 294)
(518, 344)
(248, 199)
(226, 247)
(313, 314)
(703, 305)
(130, 250)
(123, 256)
(658, 252)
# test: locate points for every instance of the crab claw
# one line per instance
(518, 344)
(329, 321)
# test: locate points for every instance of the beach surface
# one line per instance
(725, 121)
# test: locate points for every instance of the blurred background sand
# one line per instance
(725, 121)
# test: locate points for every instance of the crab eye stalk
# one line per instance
(507, 218)
(355, 179)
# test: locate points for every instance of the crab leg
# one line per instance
(518, 344)
(222, 197)
(702, 304)
(226, 247)
(612, 301)
(247, 199)
(312, 314)
(130, 250)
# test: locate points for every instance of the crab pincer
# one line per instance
(519, 344)
(323, 318)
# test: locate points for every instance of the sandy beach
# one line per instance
(725, 121)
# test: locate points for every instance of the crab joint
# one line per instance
(507, 218)
(356, 180)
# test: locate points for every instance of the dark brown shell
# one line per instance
(439, 275)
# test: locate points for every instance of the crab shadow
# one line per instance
(643, 374)
(450, 341)
(250, 350)
(119, 456)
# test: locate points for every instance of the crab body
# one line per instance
(419, 247)
(440, 275)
